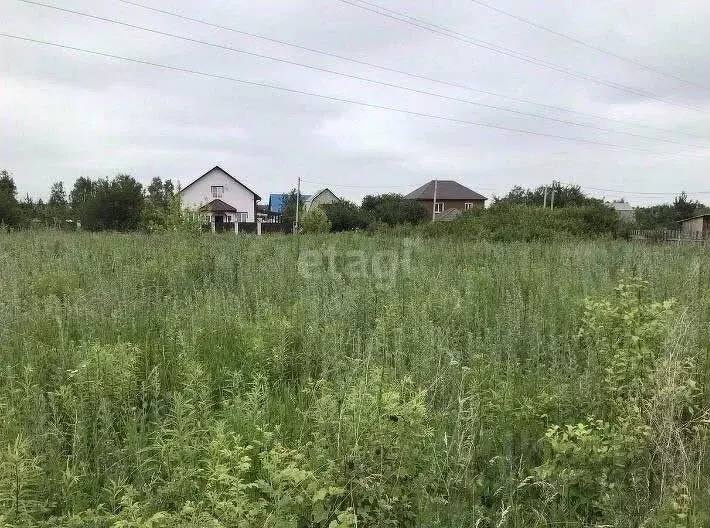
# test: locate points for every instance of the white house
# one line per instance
(220, 198)
(322, 197)
(624, 209)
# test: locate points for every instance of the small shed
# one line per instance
(696, 226)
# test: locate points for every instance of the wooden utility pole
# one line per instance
(433, 210)
(298, 206)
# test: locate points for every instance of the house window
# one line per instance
(242, 217)
(217, 191)
(229, 218)
(439, 207)
(467, 206)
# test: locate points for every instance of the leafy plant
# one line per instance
(315, 221)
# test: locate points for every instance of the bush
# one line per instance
(315, 221)
(627, 448)
(394, 209)
(526, 223)
(346, 216)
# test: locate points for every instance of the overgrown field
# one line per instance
(178, 381)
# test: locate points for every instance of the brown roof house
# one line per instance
(452, 198)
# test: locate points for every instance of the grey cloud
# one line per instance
(65, 115)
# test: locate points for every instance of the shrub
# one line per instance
(508, 223)
(315, 221)
(608, 469)
(394, 209)
(346, 216)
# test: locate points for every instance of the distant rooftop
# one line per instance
(445, 190)
(622, 206)
(277, 202)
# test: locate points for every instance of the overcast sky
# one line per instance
(65, 114)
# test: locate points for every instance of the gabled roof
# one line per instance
(622, 206)
(318, 193)
(258, 198)
(218, 206)
(277, 202)
(445, 190)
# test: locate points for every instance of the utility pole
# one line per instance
(298, 206)
(544, 200)
(433, 211)
(552, 204)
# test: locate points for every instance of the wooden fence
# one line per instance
(670, 236)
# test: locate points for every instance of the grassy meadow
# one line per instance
(351, 380)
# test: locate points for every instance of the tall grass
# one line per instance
(202, 381)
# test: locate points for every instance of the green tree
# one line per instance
(685, 208)
(668, 216)
(288, 216)
(315, 221)
(122, 203)
(82, 200)
(58, 206)
(156, 194)
(394, 209)
(158, 203)
(108, 204)
(565, 196)
(346, 216)
(9, 208)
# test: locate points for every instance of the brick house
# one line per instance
(449, 195)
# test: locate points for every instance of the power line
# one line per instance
(399, 71)
(639, 193)
(326, 97)
(357, 186)
(345, 186)
(434, 28)
(487, 188)
(587, 44)
(356, 77)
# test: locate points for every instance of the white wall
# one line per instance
(236, 195)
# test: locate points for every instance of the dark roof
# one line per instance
(218, 206)
(258, 198)
(445, 190)
(696, 216)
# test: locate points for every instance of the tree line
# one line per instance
(375, 211)
(518, 215)
(121, 204)
(660, 216)
(124, 204)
